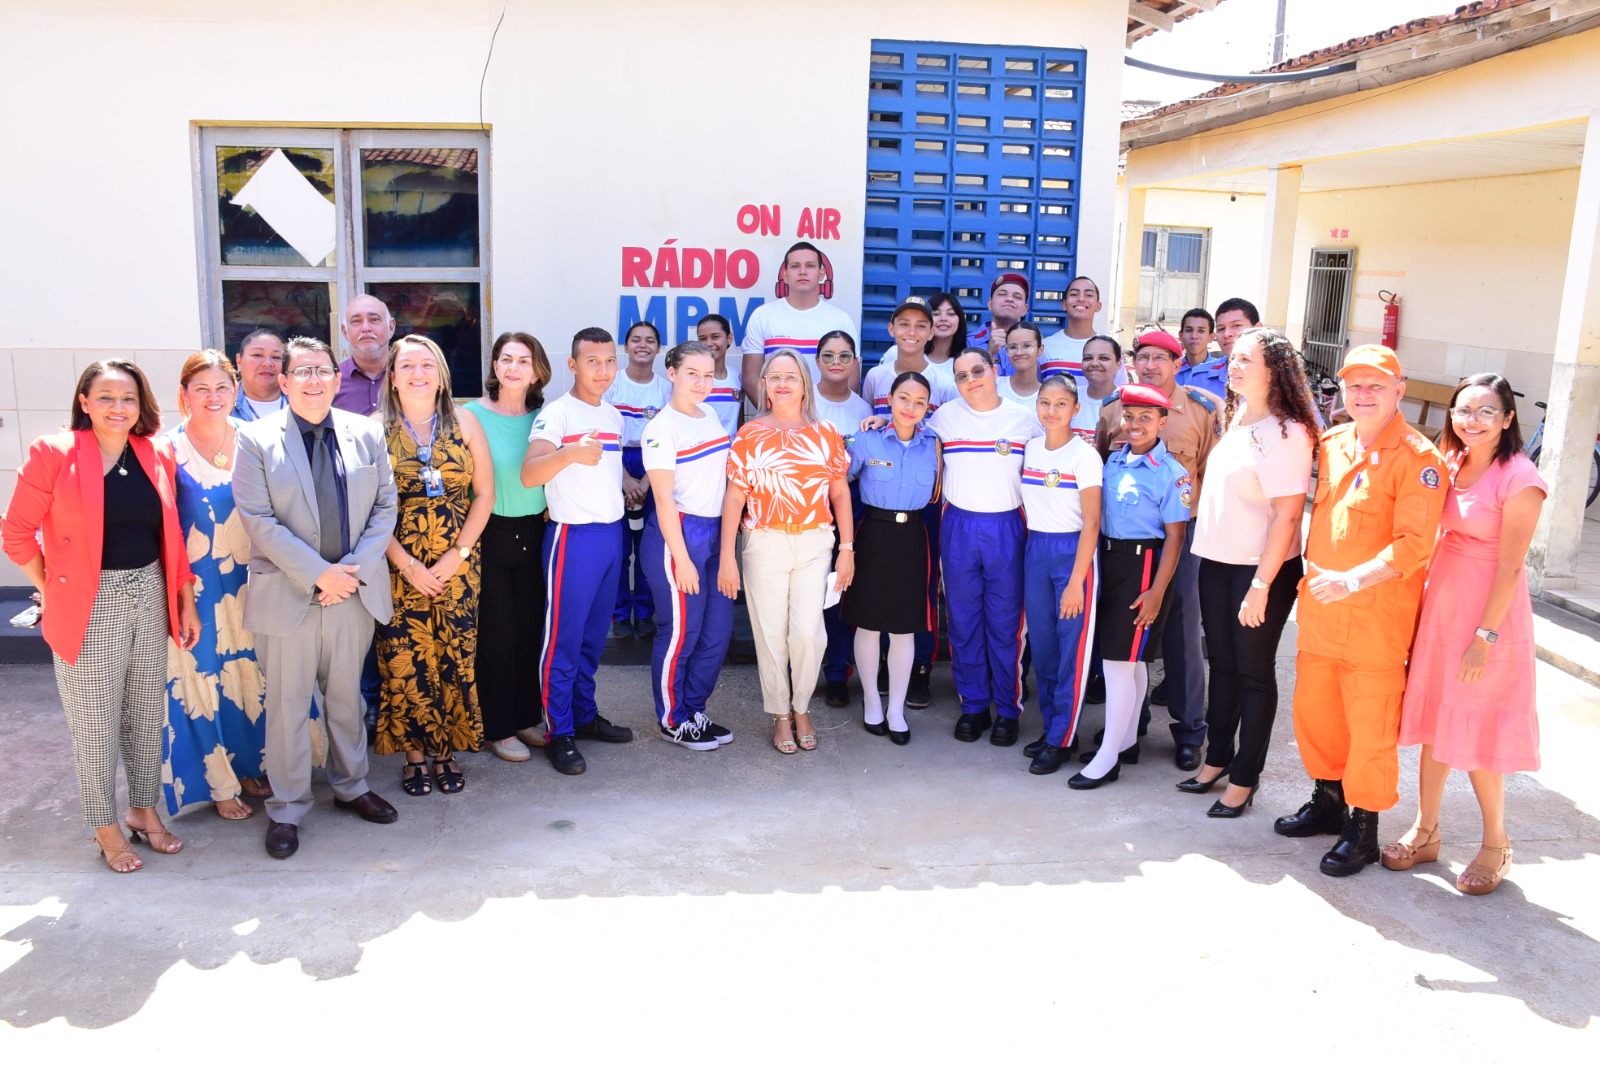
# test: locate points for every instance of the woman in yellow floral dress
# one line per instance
(426, 652)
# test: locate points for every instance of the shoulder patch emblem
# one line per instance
(1430, 476)
(1186, 490)
(653, 443)
(539, 424)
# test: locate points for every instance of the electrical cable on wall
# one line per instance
(486, 61)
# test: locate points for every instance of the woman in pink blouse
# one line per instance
(787, 486)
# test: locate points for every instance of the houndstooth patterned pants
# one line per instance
(117, 692)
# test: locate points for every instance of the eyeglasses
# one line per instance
(974, 374)
(837, 358)
(306, 373)
(1476, 414)
(782, 379)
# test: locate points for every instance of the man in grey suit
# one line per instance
(316, 494)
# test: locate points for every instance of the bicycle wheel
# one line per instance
(1594, 473)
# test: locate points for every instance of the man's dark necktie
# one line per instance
(323, 476)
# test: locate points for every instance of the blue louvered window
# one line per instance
(972, 171)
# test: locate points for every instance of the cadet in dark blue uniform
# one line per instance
(1146, 497)
(897, 471)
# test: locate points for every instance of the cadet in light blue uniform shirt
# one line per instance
(1143, 493)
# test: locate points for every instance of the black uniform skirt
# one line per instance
(1128, 568)
(890, 590)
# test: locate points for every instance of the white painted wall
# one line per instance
(614, 123)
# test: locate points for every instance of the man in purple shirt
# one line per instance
(367, 329)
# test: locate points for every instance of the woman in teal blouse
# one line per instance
(511, 604)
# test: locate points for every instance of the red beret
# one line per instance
(1159, 338)
(1143, 396)
(1012, 279)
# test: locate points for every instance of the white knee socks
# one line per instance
(902, 650)
(1125, 688)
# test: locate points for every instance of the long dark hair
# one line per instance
(958, 339)
(1510, 438)
(148, 423)
(1289, 395)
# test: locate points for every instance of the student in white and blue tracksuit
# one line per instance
(686, 457)
(575, 452)
(981, 545)
(1061, 477)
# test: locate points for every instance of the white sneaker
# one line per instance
(511, 749)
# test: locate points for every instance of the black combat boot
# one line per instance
(1357, 847)
(1324, 814)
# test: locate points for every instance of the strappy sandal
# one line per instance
(1403, 856)
(448, 781)
(414, 780)
(786, 744)
(807, 741)
(1478, 880)
(122, 854)
(155, 839)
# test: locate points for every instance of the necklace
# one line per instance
(122, 459)
(219, 456)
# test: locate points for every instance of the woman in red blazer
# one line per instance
(94, 525)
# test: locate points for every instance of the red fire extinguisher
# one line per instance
(1391, 319)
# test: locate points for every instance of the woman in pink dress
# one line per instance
(1470, 689)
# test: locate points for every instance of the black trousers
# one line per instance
(511, 608)
(1243, 697)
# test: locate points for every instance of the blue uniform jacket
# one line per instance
(892, 475)
(1211, 374)
(1142, 493)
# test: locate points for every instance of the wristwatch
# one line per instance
(1353, 584)
(1488, 636)
(848, 546)
(1259, 585)
(465, 551)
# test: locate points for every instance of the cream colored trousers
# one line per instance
(785, 578)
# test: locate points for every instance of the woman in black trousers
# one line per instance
(511, 604)
(1247, 535)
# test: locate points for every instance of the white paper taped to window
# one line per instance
(290, 204)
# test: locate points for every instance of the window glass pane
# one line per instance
(249, 237)
(1184, 251)
(293, 308)
(420, 206)
(447, 312)
(1147, 253)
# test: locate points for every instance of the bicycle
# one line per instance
(1535, 445)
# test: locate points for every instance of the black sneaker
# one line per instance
(721, 734)
(622, 629)
(837, 694)
(564, 755)
(644, 628)
(598, 728)
(690, 735)
(919, 693)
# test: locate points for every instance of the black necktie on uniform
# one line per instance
(326, 481)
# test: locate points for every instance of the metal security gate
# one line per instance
(1328, 289)
(972, 171)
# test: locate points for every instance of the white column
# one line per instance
(1574, 415)
(1127, 305)
(1277, 244)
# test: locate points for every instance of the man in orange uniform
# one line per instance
(1380, 491)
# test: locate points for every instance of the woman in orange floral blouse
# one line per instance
(787, 486)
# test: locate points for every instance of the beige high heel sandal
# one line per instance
(786, 745)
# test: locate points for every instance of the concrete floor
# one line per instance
(863, 902)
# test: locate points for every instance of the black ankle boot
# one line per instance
(1324, 814)
(1357, 847)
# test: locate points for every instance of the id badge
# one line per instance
(432, 482)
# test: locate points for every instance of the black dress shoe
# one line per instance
(1325, 813)
(1357, 847)
(564, 756)
(1005, 732)
(1159, 693)
(283, 839)
(1196, 787)
(598, 728)
(920, 691)
(901, 737)
(1187, 757)
(969, 727)
(1047, 760)
(1083, 783)
(1129, 756)
(877, 729)
(370, 806)
(837, 694)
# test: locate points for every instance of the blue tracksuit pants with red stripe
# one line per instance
(633, 590)
(982, 554)
(580, 568)
(692, 631)
(1063, 648)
